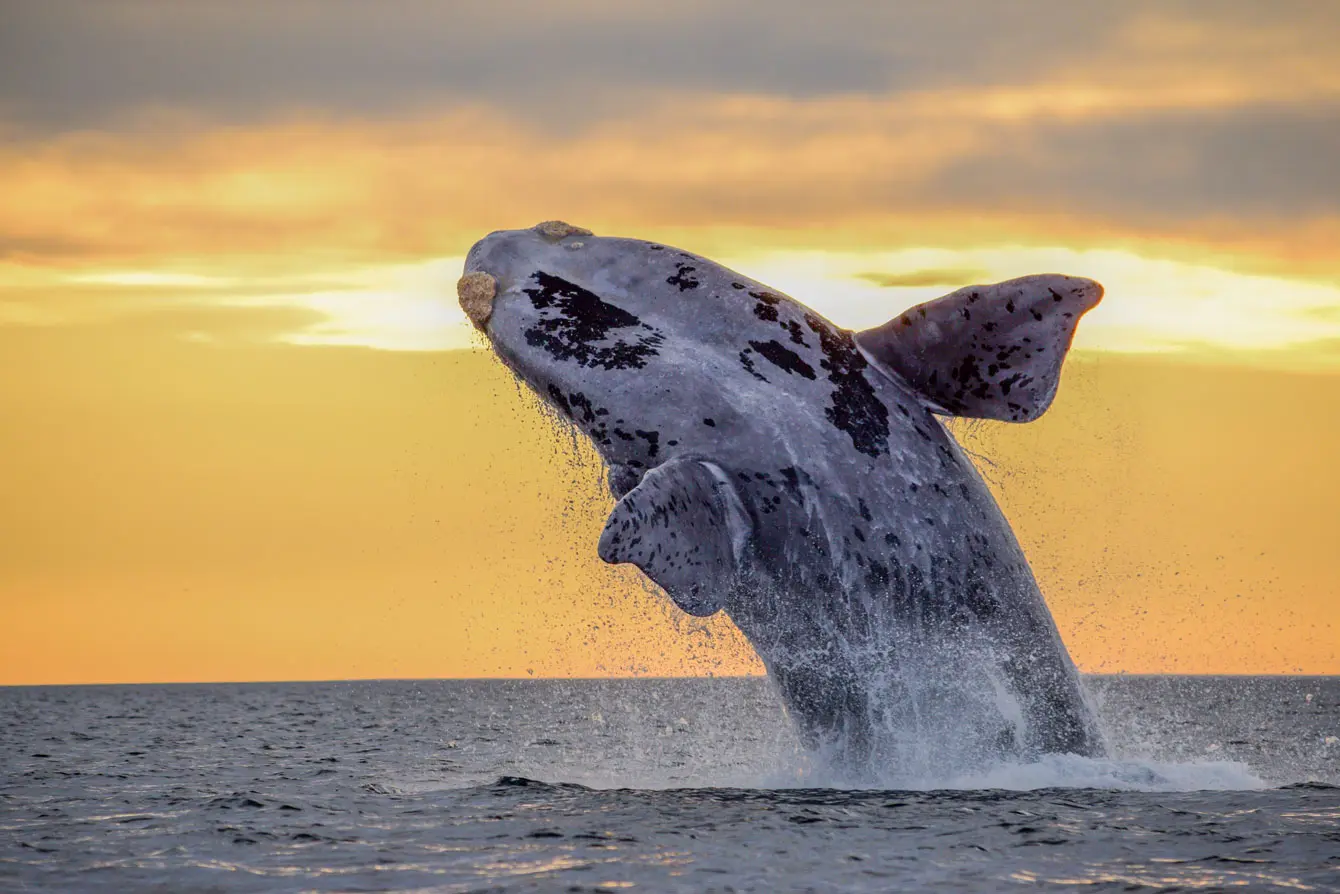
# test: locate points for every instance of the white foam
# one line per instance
(1049, 771)
(1073, 771)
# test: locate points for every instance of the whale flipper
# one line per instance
(685, 527)
(992, 352)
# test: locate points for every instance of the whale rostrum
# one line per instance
(795, 475)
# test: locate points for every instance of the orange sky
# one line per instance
(246, 436)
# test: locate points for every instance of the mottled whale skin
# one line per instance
(795, 475)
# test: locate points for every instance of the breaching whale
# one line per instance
(795, 475)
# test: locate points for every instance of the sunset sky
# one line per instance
(247, 433)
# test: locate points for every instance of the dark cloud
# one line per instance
(20, 248)
(80, 63)
(568, 67)
(1250, 163)
(924, 278)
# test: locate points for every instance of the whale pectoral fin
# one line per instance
(685, 527)
(992, 352)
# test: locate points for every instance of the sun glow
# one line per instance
(240, 440)
(1152, 305)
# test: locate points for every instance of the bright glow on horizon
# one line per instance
(1152, 305)
(407, 307)
(154, 279)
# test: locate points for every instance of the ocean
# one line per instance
(1216, 783)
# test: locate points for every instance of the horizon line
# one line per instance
(530, 679)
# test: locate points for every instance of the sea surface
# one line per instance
(654, 785)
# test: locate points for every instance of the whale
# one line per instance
(800, 477)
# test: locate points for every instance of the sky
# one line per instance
(249, 434)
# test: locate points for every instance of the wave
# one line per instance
(1049, 772)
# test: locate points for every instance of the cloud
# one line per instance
(45, 296)
(1257, 165)
(73, 65)
(218, 323)
(201, 322)
(403, 130)
(16, 247)
(321, 155)
(918, 278)
(1152, 305)
(397, 307)
(296, 191)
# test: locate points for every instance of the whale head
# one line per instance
(648, 350)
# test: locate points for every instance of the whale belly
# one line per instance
(907, 636)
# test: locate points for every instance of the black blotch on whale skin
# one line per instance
(748, 363)
(683, 278)
(783, 357)
(580, 401)
(855, 409)
(583, 320)
(560, 401)
(579, 408)
(653, 439)
(765, 312)
(797, 334)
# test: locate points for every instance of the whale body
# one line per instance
(795, 475)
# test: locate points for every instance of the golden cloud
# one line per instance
(177, 187)
(348, 216)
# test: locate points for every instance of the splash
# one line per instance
(1052, 771)
(733, 733)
